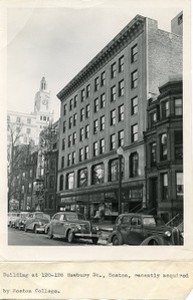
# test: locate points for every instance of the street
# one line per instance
(21, 238)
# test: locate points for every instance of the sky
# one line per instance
(57, 41)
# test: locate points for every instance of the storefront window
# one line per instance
(114, 169)
(83, 177)
(98, 174)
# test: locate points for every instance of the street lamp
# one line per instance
(120, 155)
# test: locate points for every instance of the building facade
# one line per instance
(103, 109)
(164, 151)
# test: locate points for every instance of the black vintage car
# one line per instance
(141, 229)
(72, 225)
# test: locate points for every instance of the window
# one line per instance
(114, 170)
(112, 142)
(134, 133)
(74, 119)
(163, 147)
(112, 117)
(95, 148)
(134, 164)
(121, 64)
(134, 79)
(28, 130)
(153, 154)
(101, 146)
(82, 95)
(134, 105)
(70, 104)
(165, 109)
(103, 78)
(179, 185)
(120, 138)
(70, 181)
(134, 53)
(98, 174)
(73, 157)
(102, 123)
(178, 107)
(113, 70)
(88, 91)
(86, 131)
(96, 105)
(61, 185)
(64, 126)
(113, 93)
(29, 187)
(30, 173)
(121, 88)
(152, 118)
(70, 123)
(83, 177)
(18, 120)
(62, 162)
(81, 134)
(178, 144)
(95, 126)
(81, 154)
(28, 121)
(164, 186)
(82, 114)
(87, 114)
(86, 152)
(44, 118)
(96, 84)
(103, 100)
(64, 109)
(74, 138)
(69, 140)
(121, 113)
(75, 101)
(51, 183)
(63, 143)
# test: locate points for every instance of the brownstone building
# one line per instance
(164, 151)
(104, 108)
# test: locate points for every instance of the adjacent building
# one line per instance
(164, 151)
(103, 109)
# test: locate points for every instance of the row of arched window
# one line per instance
(98, 173)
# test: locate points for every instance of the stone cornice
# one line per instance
(120, 41)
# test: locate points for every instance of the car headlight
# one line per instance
(40, 223)
(96, 228)
(79, 227)
(168, 233)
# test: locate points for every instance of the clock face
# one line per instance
(44, 101)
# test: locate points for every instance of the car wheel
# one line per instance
(117, 240)
(95, 240)
(70, 236)
(153, 243)
(25, 228)
(35, 229)
(49, 233)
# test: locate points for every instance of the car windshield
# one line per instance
(73, 217)
(149, 221)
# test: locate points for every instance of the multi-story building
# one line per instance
(30, 125)
(164, 151)
(104, 108)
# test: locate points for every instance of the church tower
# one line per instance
(42, 107)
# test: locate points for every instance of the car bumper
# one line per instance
(86, 235)
(40, 229)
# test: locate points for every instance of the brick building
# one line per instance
(104, 108)
(164, 151)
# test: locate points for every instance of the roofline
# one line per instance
(116, 44)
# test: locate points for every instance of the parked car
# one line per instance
(141, 229)
(71, 225)
(20, 221)
(12, 217)
(36, 222)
